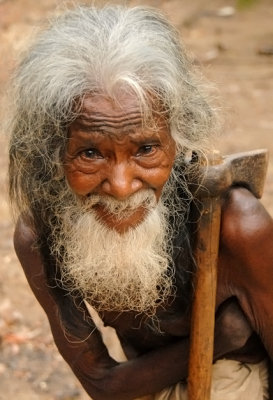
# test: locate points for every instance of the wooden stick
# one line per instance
(246, 169)
(203, 313)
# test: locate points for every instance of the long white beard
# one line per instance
(112, 271)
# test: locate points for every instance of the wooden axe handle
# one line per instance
(247, 169)
(202, 329)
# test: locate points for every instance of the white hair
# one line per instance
(97, 50)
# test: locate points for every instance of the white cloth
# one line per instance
(231, 380)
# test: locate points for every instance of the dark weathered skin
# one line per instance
(244, 307)
(110, 153)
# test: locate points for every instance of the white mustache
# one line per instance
(144, 198)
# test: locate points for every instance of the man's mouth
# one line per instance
(116, 213)
(122, 214)
(122, 221)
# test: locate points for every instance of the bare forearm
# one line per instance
(144, 375)
(147, 374)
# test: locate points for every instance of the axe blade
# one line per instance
(248, 169)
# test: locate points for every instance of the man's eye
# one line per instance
(146, 149)
(91, 153)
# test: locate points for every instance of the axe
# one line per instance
(220, 173)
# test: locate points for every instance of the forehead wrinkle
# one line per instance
(108, 122)
(98, 116)
(111, 114)
(98, 121)
(137, 135)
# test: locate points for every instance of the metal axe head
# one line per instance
(218, 173)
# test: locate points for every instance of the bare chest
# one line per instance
(144, 333)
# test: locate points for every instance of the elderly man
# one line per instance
(107, 109)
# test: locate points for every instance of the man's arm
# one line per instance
(101, 376)
(246, 260)
(246, 263)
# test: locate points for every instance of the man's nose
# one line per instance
(121, 181)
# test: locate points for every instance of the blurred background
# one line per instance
(232, 41)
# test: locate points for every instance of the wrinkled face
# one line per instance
(110, 153)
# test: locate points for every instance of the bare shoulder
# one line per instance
(246, 245)
(25, 239)
(24, 234)
(245, 221)
(246, 260)
(28, 253)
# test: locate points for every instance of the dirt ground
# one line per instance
(234, 46)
